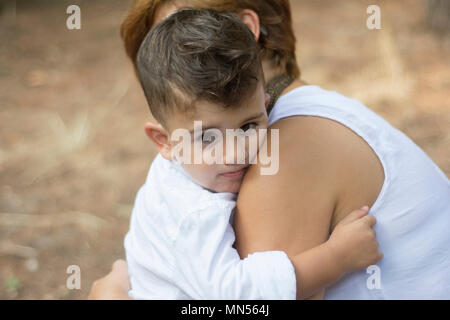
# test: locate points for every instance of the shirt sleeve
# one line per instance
(210, 268)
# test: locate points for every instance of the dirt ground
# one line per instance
(72, 147)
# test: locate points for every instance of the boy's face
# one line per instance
(226, 177)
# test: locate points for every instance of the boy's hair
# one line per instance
(198, 55)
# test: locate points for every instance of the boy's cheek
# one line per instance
(201, 173)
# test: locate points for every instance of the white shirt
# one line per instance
(180, 245)
(412, 209)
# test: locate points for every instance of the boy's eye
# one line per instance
(207, 137)
(249, 126)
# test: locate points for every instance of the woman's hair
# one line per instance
(277, 40)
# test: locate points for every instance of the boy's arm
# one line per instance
(316, 269)
(351, 246)
(210, 268)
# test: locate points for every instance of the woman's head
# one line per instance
(269, 20)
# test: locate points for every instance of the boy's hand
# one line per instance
(353, 241)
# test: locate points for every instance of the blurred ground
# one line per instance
(72, 147)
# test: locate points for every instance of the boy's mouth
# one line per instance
(235, 174)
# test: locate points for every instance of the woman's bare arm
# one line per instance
(295, 210)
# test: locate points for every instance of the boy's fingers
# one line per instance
(370, 220)
(355, 215)
(379, 256)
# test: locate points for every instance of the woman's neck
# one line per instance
(270, 72)
(296, 84)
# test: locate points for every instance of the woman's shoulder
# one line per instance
(329, 155)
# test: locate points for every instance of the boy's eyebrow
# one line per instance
(204, 129)
(256, 116)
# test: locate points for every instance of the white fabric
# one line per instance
(412, 210)
(180, 245)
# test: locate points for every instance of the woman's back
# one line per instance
(412, 209)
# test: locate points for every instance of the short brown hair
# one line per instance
(278, 44)
(198, 55)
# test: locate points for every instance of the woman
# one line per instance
(326, 142)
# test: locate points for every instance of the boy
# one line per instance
(200, 65)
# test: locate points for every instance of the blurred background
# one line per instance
(73, 152)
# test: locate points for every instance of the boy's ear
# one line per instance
(160, 138)
(251, 19)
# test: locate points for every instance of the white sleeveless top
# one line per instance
(412, 209)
